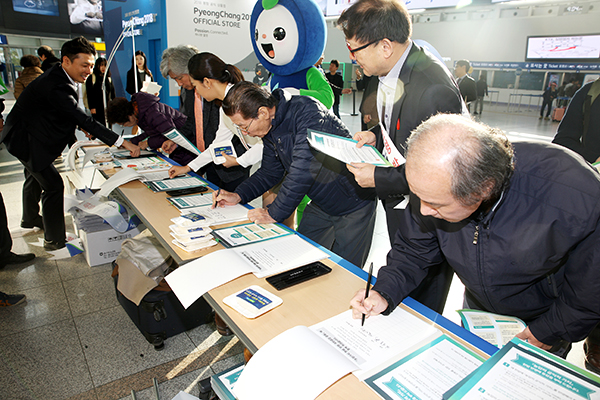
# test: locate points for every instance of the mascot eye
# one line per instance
(279, 34)
(256, 35)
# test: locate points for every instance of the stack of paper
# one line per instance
(191, 232)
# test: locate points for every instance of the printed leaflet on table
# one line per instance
(263, 259)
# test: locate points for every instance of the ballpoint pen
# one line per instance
(215, 200)
(367, 290)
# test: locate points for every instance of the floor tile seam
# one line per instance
(81, 346)
(134, 383)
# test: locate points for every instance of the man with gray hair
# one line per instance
(519, 223)
(202, 115)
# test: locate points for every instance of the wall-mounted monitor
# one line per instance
(563, 48)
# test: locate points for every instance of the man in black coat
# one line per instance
(40, 125)
(413, 85)
(47, 56)
(466, 84)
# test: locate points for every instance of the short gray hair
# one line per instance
(481, 155)
(176, 59)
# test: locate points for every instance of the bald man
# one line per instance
(518, 223)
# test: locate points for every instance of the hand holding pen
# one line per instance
(367, 303)
(222, 198)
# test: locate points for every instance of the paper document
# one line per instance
(181, 141)
(250, 233)
(76, 146)
(184, 182)
(150, 87)
(494, 328)
(427, 373)
(118, 179)
(302, 362)
(522, 371)
(144, 165)
(345, 150)
(197, 277)
(196, 200)
(221, 215)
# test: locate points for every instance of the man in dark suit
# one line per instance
(413, 85)
(466, 84)
(38, 128)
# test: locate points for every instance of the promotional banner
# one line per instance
(221, 27)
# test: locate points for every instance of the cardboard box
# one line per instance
(104, 246)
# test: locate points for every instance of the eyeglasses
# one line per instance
(352, 51)
(246, 129)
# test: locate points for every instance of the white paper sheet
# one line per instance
(197, 277)
(295, 365)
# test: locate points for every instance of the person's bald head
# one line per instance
(453, 164)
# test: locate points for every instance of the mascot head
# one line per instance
(289, 35)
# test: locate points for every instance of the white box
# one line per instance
(104, 246)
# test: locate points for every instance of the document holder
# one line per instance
(298, 275)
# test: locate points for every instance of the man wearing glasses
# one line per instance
(341, 214)
(413, 85)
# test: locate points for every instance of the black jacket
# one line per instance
(428, 89)
(44, 118)
(536, 255)
(570, 131)
(287, 153)
(468, 89)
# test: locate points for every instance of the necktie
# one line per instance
(199, 122)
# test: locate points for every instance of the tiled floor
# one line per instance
(72, 340)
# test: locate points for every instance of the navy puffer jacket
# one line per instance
(325, 180)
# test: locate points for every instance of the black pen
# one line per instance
(367, 290)
(215, 202)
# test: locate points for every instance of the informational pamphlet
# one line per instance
(427, 373)
(495, 328)
(185, 182)
(345, 150)
(181, 141)
(196, 200)
(250, 233)
(522, 371)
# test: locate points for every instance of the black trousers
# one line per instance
(5, 239)
(433, 290)
(45, 185)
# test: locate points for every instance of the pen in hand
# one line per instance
(362, 323)
(216, 197)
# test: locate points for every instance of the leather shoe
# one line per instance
(48, 245)
(32, 224)
(592, 356)
(16, 259)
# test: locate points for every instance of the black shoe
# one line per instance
(16, 259)
(54, 245)
(38, 221)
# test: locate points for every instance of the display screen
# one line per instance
(41, 7)
(555, 48)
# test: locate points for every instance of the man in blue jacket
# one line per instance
(519, 224)
(341, 214)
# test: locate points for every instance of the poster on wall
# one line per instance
(86, 17)
(209, 24)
